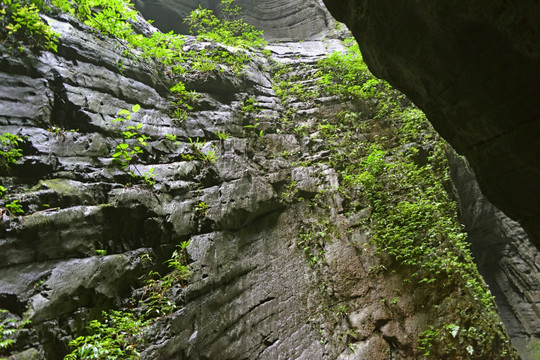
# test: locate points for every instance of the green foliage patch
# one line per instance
(119, 334)
(21, 23)
(231, 30)
(397, 169)
(8, 331)
(10, 151)
(135, 141)
(115, 337)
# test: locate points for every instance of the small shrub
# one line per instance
(235, 32)
(114, 338)
(14, 207)
(24, 25)
(10, 151)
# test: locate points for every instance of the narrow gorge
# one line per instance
(207, 194)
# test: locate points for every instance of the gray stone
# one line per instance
(255, 293)
(505, 257)
(279, 20)
(29, 354)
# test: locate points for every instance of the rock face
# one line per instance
(280, 254)
(279, 20)
(474, 68)
(505, 258)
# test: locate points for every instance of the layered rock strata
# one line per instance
(281, 259)
(505, 257)
(279, 20)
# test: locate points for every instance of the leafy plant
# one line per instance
(24, 25)
(124, 151)
(412, 220)
(202, 208)
(184, 100)
(230, 31)
(155, 301)
(209, 156)
(223, 135)
(178, 262)
(10, 150)
(14, 207)
(8, 330)
(134, 143)
(249, 106)
(114, 338)
(148, 177)
(118, 334)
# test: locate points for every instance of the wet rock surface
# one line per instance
(90, 234)
(505, 257)
(87, 231)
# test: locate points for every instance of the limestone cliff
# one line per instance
(248, 225)
(280, 20)
(474, 68)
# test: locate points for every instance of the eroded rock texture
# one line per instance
(274, 277)
(506, 259)
(474, 68)
(280, 20)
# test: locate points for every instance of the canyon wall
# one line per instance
(506, 259)
(249, 192)
(278, 19)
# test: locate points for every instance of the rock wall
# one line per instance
(87, 237)
(291, 20)
(505, 257)
(281, 262)
(474, 68)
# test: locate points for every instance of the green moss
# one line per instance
(61, 186)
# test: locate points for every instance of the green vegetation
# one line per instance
(14, 207)
(8, 331)
(125, 152)
(230, 37)
(178, 262)
(397, 169)
(197, 145)
(344, 74)
(202, 208)
(24, 25)
(412, 217)
(222, 135)
(10, 153)
(118, 335)
(134, 143)
(249, 106)
(231, 31)
(10, 150)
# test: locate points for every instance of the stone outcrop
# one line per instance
(281, 264)
(279, 20)
(506, 259)
(474, 68)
